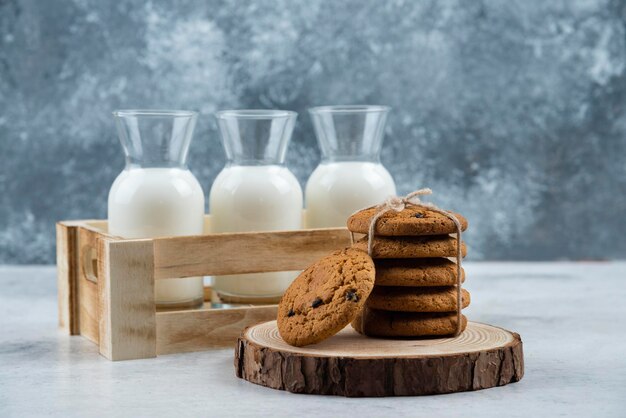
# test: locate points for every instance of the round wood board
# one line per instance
(350, 364)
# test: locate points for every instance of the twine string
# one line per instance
(397, 204)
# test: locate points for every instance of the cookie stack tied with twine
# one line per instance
(418, 288)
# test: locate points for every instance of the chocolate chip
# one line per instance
(291, 312)
(317, 302)
(419, 215)
(351, 295)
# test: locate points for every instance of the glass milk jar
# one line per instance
(255, 192)
(156, 195)
(350, 176)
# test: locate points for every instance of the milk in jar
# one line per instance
(156, 195)
(255, 192)
(350, 176)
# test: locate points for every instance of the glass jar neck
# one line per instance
(255, 137)
(155, 138)
(349, 133)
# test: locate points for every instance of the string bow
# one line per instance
(398, 204)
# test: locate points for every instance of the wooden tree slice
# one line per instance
(350, 364)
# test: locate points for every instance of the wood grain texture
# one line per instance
(184, 331)
(67, 277)
(88, 299)
(250, 252)
(349, 364)
(97, 225)
(127, 308)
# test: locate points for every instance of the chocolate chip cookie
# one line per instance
(412, 247)
(416, 272)
(416, 299)
(377, 323)
(325, 297)
(412, 220)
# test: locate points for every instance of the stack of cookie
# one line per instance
(415, 291)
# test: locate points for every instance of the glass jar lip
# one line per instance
(349, 109)
(255, 114)
(171, 113)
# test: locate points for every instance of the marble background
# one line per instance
(513, 112)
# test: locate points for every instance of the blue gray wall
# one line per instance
(512, 111)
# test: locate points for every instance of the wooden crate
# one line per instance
(106, 284)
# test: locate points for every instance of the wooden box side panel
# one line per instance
(199, 330)
(253, 252)
(77, 279)
(88, 303)
(77, 255)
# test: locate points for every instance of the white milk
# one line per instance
(157, 202)
(255, 198)
(335, 190)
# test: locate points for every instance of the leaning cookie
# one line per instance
(325, 297)
(417, 299)
(375, 323)
(416, 272)
(412, 220)
(412, 247)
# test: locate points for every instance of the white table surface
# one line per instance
(570, 316)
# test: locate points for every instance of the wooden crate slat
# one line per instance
(223, 254)
(198, 330)
(127, 308)
(67, 276)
